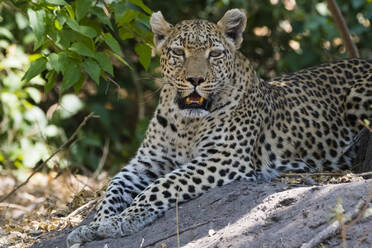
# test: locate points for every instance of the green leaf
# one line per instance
(35, 69)
(144, 20)
(62, 38)
(82, 49)
(112, 43)
(140, 4)
(124, 34)
(71, 75)
(70, 11)
(102, 16)
(79, 84)
(37, 23)
(141, 32)
(6, 33)
(122, 60)
(51, 77)
(58, 25)
(82, 8)
(59, 22)
(144, 53)
(21, 20)
(119, 8)
(61, 18)
(104, 62)
(56, 2)
(58, 61)
(93, 69)
(129, 15)
(84, 30)
(88, 31)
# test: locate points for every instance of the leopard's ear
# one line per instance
(160, 28)
(233, 25)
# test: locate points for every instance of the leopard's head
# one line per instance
(197, 58)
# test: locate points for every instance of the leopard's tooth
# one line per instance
(201, 100)
(188, 100)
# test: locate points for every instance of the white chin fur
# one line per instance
(194, 112)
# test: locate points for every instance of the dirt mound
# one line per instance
(244, 214)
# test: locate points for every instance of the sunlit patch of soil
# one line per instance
(46, 203)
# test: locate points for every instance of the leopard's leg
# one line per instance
(123, 188)
(181, 185)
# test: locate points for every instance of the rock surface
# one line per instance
(244, 214)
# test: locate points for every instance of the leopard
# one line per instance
(217, 122)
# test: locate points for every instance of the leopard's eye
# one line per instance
(215, 53)
(178, 51)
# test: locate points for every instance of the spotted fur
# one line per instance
(249, 129)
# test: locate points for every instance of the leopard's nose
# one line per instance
(195, 80)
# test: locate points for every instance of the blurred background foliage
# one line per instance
(60, 60)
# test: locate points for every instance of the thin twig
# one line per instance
(343, 29)
(325, 174)
(313, 174)
(344, 228)
(15, 206)
(114, 82)
(343, 232)
(363, 237)
(327, 232)
(177, 224)
(365, 125)
(41, 165)
(81, 209)
(363, 210)
(335, 227)
(139, 91)
(103, 158)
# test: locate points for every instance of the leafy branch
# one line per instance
(82, 36)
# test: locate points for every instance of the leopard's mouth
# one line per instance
(193, 101)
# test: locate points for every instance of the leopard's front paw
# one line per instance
(110, 228)
(81, 235)
(105, 229)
